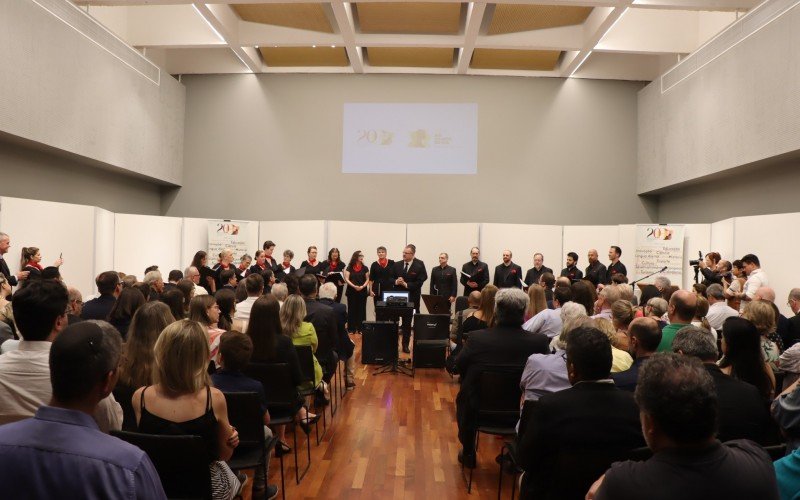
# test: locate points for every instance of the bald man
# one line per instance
(596, 270)
(682, 306)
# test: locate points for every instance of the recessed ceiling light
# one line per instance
(333, 46)
(313, 46)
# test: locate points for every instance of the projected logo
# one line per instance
(375, 137)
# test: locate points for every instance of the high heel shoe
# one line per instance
(305, 423)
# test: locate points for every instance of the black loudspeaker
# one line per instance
(378, 342)
(431, 338)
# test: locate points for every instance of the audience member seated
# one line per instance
(648, 292)
(622, 313)
(206, 276)
(536, 302)
(189, 290)
(644, 336)
(742, 357)
(271, 346)
(782, 331)
(457, 323)
(605, 301)
(547, 281)
(226, 300)
(664, 287)
(173, 278)
(40, 314)
(254, 284)
(786, 412)
(228, 279)
(75, 305)
(6, 311)
(700, 313)
(678, 408)
(590, 418)
(324, 320)
(548, 321)
(138, 360)
(301, 332)
(174, 299)
(61, 452)
(620, 359)
(505, 343)
(204, 310)
(129, 300)
(109, 284)
(235, 351)
(327, 296)
(482, 318)
(280, 291)
(193, 275)
(182, 402)
(155, 281)
(762, 315)
(682, 305)
(718, 309)
(584, 293)
(741, 411)
(656, 308)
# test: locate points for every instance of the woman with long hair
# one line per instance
(742, 357)
(271, 346)
(138, 359)
(357, 277)
(584, 293)
(622, 314)
(483, 317)
(121, 315)
(186, 286)
(301, 332)
(226, 300)
(174, 299)
(182, 402)
(334, 264)
(30, 259)
(762, 315)
(204, 310)
(207, 276)
(538, 301)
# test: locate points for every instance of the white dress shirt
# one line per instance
(547, 321)
(718, 312)
(756, 279)
(243, 309)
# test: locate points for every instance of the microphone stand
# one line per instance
(633, 283)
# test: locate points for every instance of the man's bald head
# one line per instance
(682, 306)
(474, 298)
(765, 293)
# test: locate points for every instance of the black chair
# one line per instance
(776, 452)
(181, 462)
(245, 413)
(431, 340)
(282, 403)
(124, 394)
(499, 395)
(461, 303)
(306, 357)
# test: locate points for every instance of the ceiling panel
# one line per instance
(411, 57)
(533, 60)
(304, 16)
(513, 18)
(304, 56)
(443, 18)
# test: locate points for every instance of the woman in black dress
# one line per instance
(357, 277)
(381, 275)
(314, 266)
(334, 264)
(207, 281)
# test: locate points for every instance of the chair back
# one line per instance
(461, 303)
(245, 413)
(306, 357)
(181, 462)
(499, 395)
(428, 327)
(279, 388)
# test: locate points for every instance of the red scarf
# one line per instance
(357, 267)
(286, 265)
(242, 267)
(33, 264)
(332, 264)
(383, 262)
(312, 263)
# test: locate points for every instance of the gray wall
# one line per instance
(42, 175)
(551, 151)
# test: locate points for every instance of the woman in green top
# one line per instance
(301, 332)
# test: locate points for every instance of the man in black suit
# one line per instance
(592, 420)
(13, 279)
(504, 344)
(173, 278)
(596, 270)
(109, 285)
(324, 320)
(327, 296)
(507, 274)
(741, 412)
(536, 272)
(478, 273)
(411, 274)
(644, 335)
(444, 281)
(571, 271)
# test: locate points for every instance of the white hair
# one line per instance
(327, 291)
(572, 310)
(509, 303)
(280, 291)
(152, 277)
(662, 282)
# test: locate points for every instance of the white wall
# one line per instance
(103, 242)
(141, 241)
(296, 236)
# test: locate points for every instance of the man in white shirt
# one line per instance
(718, 309)
(193, 274)
(606, 299)
(756, 278)
(548, 321)
(254, 284)
(40, 312)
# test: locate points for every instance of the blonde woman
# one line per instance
(538, 301)
(622, 313)
(301, 332)
(620, 359)
(762, 315)
(182, 402)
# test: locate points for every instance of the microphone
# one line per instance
(663, 269)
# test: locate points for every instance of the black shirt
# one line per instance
(596, 273)
(444, 281)
(479, 273)
(532, 276)
(382, 278)
(508, 276)
(573, 273)
(618, 268)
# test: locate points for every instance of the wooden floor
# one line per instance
(392, 437)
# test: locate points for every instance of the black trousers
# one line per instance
(356, 311)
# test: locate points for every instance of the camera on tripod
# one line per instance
(696, 263)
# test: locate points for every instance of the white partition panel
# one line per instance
(296, 235)
(103, 243)
(455, 240)
(56, 229)
(523, 240)
(722, 239)
(697, 237)
(141, 241)
(580, 239)
(627, 242)
(774, 241)
(195, 237)
(350, 236)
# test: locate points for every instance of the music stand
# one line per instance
(436, 304)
